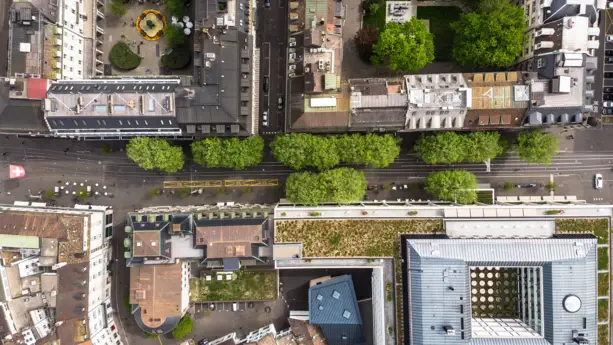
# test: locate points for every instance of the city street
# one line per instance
(50, 160)
(272, 37)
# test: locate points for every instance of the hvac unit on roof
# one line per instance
(449, 330)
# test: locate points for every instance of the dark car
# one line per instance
(280, 103)
(607, 111)
(608, 74)
(608, 90)
(265, 84)
(608, 52)
(607, 97)
(609, 59)
(203, 342)
(526, 185)
(267, 4)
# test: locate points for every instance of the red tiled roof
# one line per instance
(37, 88)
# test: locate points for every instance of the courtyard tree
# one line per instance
(122, 57)
(537, 147)
(118, 8)
(155, 153)
(404, 47)
(232, 153)
(185, 327)
(452, 185)
(342, 185)
(483, 5)
(175, 7)
(174, 36)
(364, 40)
(489, 39)
(443, 148)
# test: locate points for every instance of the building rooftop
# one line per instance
(26, 40)
(156, 290)
(19, 115)
(218, 98)
(445, 309)
(147, 243)
(333, 306)
(107, 98)
(229, 238)
(570, 34)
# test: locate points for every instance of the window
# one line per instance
(79, 72)
(70, 69)
(73, 11)
(71, 58)
(80, 52)
(540, 63)
(80, 62)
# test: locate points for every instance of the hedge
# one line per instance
(122, 57)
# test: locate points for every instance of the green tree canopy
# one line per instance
(443, 148)
(185, 326)
(484, 5)
(155, 153)
(537, 147)
(299, 151)
(489, 39)
(404, 47)
(481, 146)
(122, 57)
(453, 185)
(377, 151)
(118, 8)
(174, 36)
(342, 185)
(230, 153)
(364, 40)
(175, 8)
(450, 147)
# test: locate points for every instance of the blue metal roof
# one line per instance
(334, 307)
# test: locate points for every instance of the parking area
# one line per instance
(213, 320)
(604, 86)
(272, 40)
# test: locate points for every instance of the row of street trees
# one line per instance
(451, 147)
(342, 185)
(300, 151)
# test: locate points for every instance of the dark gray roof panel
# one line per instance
(115, 122)
(109, 86)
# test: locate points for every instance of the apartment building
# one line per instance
(547, 14)
(55, 280)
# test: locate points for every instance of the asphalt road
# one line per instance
(272, 38)
(83, 160)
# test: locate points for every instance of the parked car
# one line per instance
(598, 181)
(266, 84)
(609, 38)
(265, 115)
(608, 90)
(526, 185)
(607, 104)
(280, 103)
(608, 52)
(608, 59)
(203, 342)
(267, 4)
(607, 111)
(608, 74)
(610, 5)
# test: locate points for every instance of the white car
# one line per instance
(598, 181)
(609, 38)
(610, 5)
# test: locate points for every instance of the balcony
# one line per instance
(99, 72)
(99, 42)
(98, 62)
(100, 3)
(99, 52)
(99, 30)
(99, 14)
